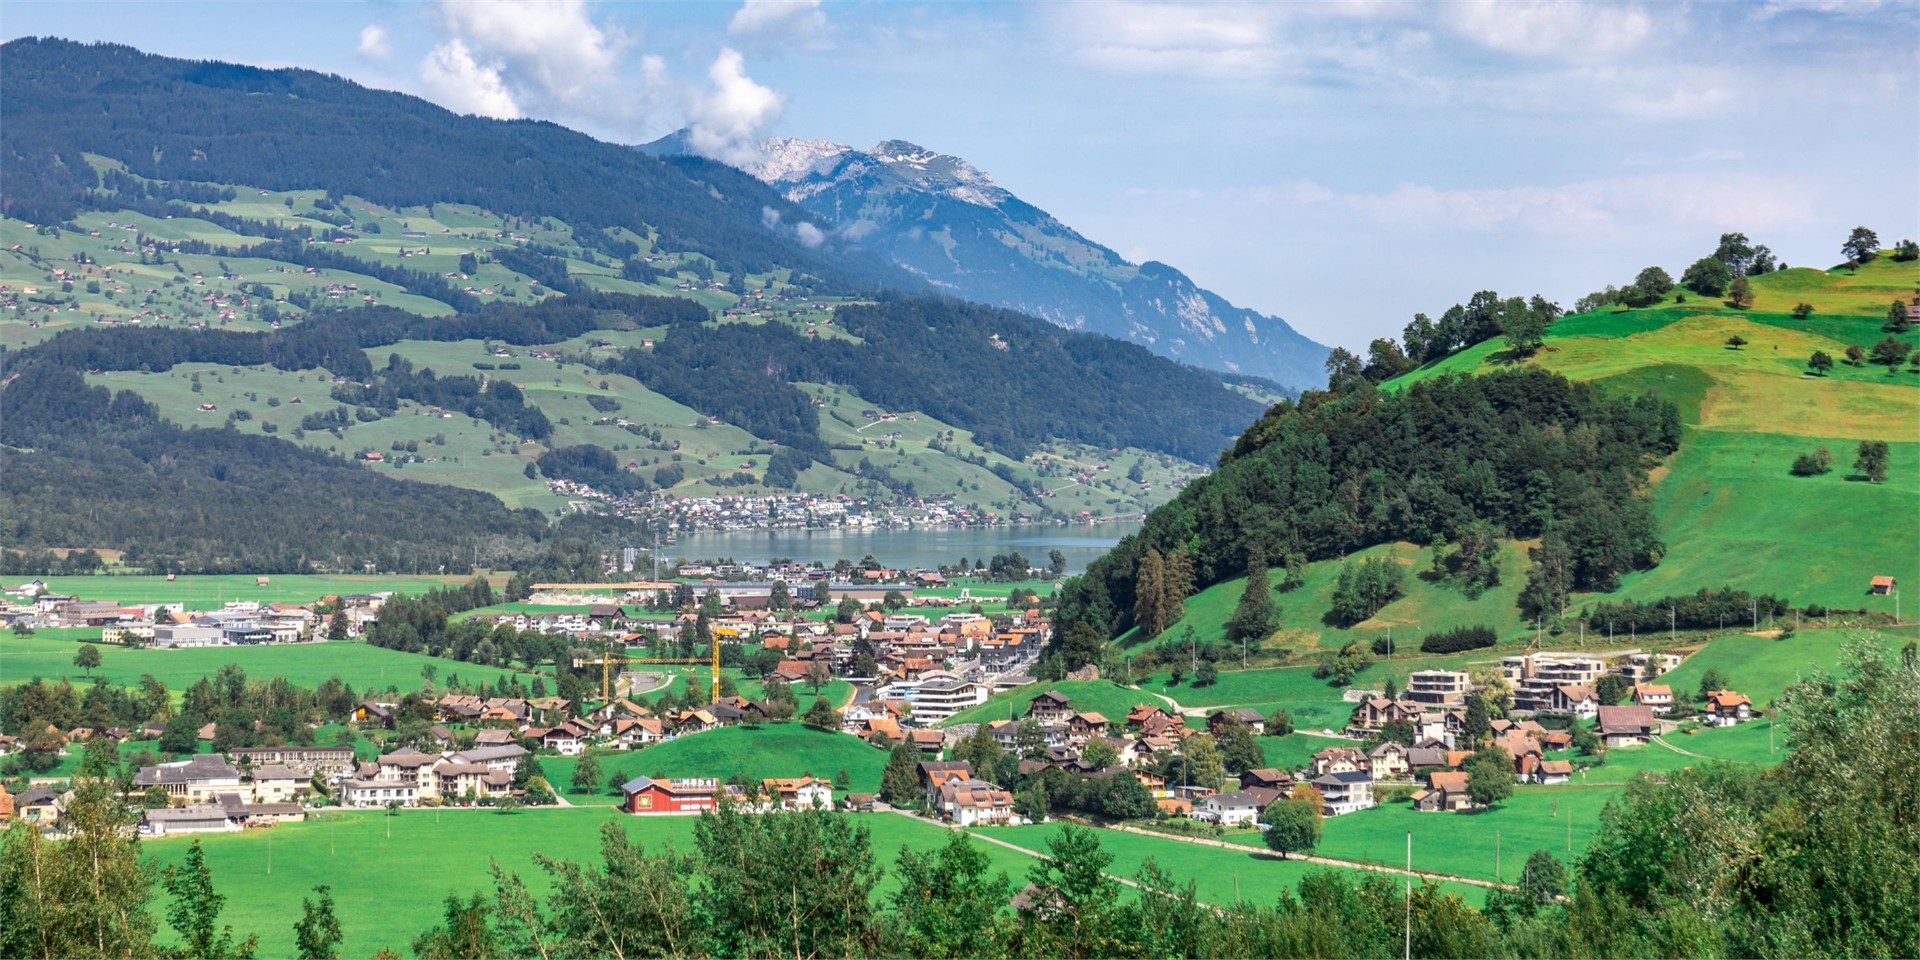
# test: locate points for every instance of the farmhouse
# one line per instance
(683, 795)
(1233, 809)
(1446, 791)
(1726, 708)
(798, 793)
(1657, 697)
(1883, 585)
(1626, 726)
(1339, 760)
(1050, 707)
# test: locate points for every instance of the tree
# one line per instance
(1713, 679)
(526, 771)
(317, 933)
(1293, 825)
(1477, 724)
(539, 792)
(1543, 880)
(1897, 321)
(1524, 331)
(1654, 283)
(946, 904)
(1056, 562)
(1149, 591)
(780, 597)
(1707, 277)
(1202, 763)
(821, 715)
(180, 735)
(1736, 341)
(1872, 460)
(1239, 751)
(1253, 617)
(1489, 776)
(1612, 688)
(1281, 723)
(1890, 352)
(337, 624)
(1207, 675)
(1802, 310)
(586, 772)
(1856, 354)
(1073, 904)
(1861, 245)
(1030, 740)
(1813, 464)
(1820, 362)
(1099, 754)
(818, 675)
(195, 911)
(1740, 293)
(900, 781)
(849, 609)
(893, 600)
(87, 658)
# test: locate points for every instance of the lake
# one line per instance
(916, 547)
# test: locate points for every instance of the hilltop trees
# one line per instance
(1707, 277)
(1365, 587)
(1481, 318)
(1861, 246)
(1740, 293)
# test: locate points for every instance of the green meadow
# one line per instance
(305, 664)
(387, 890)
(1089, 696)
(203, 591)
(774, 750)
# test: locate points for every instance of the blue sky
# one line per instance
(1341, 164)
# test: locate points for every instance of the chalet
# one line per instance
(1626, 726)
(1050, 707)
(1376, 712)
(1267, 777)
(1523, 750)
(1345, 792)
(1238, 808)
(1427, 754)
(927, 741)
(683, 795)
(1726, 708)
(1142, 713)
(1883, 585)
(1575, 698)
(1219, 719)
(1339, 760)
(967, 802)
(1082, 727)
(371, 712)
(1554, 771)
(798, 793)
(858, 803)
(568, 738)
(1657, 697)
(1446, 791)
(935, 773)
(1389, 761)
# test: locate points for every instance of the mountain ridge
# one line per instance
(944, 220)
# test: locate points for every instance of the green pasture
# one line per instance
(365, 667)
(387, 890)
(203, 591)
(774, 750)
(1763, 667)
(1089, 696)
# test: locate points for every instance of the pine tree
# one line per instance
(1253, 618)
(900, 781)
(1148, 593)
(1177, 585)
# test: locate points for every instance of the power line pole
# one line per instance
(1409, 935)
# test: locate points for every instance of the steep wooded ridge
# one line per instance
(940, 218)
(182, 120)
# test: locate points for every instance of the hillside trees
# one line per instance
(1332, 475)
(1484, 316)
(1365, 587)
(1861, 245)
(1708, 277)
(1872, 460)
(1253, 617)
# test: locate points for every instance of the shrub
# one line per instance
(1813, 464)
(1458, 639)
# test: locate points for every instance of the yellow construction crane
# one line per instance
(608, 659)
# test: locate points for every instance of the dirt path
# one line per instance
(1327, 861)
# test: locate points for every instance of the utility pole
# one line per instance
(1497, 875)
(1409, 935)
(269, 854)
(1756, 612)
(1672, 622)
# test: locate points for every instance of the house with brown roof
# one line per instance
(1218, 720)
(1050, 707)
(1626, 726)
(1883, 585)
(1656, 696)
(967, 802)
(1082, 727)
(1446, 792)
(1389, 761)
(798, 793)
(1575, 698)
(1339, 760)
(1554, 771)
(1269, 777)
(1726, 708)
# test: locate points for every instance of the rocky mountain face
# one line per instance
(943, 219)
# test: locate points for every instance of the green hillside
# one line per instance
(1728, 510)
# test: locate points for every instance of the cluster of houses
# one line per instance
(173, 625)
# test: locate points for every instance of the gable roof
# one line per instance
(1634, 719)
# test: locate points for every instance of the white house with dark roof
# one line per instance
(1345, 792)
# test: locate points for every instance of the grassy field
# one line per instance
(306, 664)
(210, 590)
(776, 750)
(1096, 696)
(1763, 668)
(1463, 844)
(1220, 875)
(387, 891)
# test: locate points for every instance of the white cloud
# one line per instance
(1555, 29)
(809, 235)
(777, 21)
(373, 42)
(729, 120)
(455, 79)
(555, 45)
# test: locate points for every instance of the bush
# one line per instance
(1458, 639)
(1813, 464)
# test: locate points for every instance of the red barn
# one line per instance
(681, 795)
